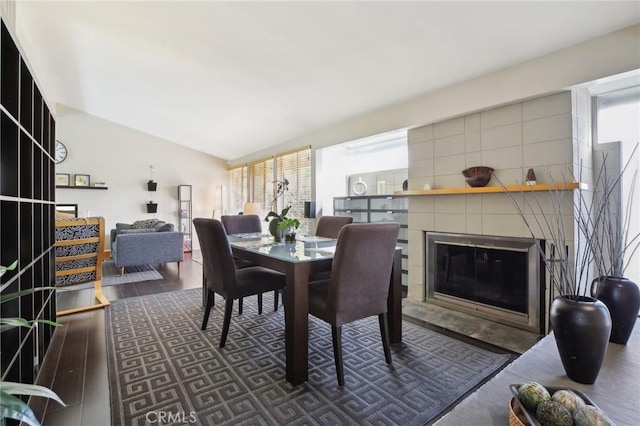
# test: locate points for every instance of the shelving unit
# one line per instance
(185, 214)
(27, 209)
(541, 187)
(379, 208)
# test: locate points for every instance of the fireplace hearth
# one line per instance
(498, 278)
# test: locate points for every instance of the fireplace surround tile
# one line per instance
(546, 106)
(501, 116)
(502, 136)
(503, 158)
(454, 126)
(473, 141)
(547, 128)
(450, 145)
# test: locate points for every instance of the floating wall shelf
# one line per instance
(82, 187)
(541, 187)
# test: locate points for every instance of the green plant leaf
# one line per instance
(9, 323)
(14, 388)
(17, 294)
(10, 267)
(15, 408)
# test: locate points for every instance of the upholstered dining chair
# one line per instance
(223, 277)
(330, 226)
(359, 283)
(246, 224)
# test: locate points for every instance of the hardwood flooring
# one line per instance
(75, 366)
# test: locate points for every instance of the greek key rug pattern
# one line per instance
(164, 370)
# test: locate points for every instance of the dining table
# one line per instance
(298, 260)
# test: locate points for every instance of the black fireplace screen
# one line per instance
(490, 276)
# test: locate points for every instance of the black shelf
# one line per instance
(81, 187)
(27, 211)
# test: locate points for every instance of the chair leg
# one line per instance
(240, 306)
(179, 267)
(207, 308)
(384, 332)
(121, 270)
(336, 335)
(228, 307)
(260, 303)
(276, 294)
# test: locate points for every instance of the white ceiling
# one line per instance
(232, 78)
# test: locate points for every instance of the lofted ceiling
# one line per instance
(232, 78)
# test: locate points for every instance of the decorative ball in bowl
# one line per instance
(477, 176)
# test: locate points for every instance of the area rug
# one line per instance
(111, 276)
(162, 364)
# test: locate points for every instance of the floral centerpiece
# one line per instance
(281, 226)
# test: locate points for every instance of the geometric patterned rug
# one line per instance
(162, 366)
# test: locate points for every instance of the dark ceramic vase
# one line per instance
(581, 326)
(622, 298)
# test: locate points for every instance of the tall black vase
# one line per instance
(581, 326)
(622, 298)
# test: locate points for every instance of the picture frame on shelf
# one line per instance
(82, 180)
(63, 179)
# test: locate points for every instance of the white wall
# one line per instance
(601, 57)
(121, 157)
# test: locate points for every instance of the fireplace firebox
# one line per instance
(498, 278)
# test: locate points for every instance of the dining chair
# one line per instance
(246, 224)
(223, 277)
(330, 226)
(359, 283)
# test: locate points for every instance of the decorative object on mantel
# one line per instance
(405, 185)
(531, 177)
(477, 176)
(426, 186)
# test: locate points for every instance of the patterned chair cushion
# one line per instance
(78, 229)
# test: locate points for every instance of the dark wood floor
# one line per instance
(75, 366)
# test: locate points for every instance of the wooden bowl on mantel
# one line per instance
(477, 176)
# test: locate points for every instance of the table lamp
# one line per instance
(252, 208)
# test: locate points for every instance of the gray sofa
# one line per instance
(147, 242)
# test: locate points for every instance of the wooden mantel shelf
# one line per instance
(568, 186)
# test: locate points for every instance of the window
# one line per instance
(260, 186)
(238, 177)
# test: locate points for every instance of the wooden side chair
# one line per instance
(79, 251)
(223, 277)
(359, 283)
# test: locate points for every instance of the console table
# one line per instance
(615, 391)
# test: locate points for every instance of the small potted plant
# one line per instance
(289, 226)
(152, 207)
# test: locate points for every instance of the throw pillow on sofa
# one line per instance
(167, 227)
(144, 224)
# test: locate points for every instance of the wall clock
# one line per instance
(61, 152)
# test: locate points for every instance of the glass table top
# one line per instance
(306, 248)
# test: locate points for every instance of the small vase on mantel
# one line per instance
(622, 297)
(581, 326)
